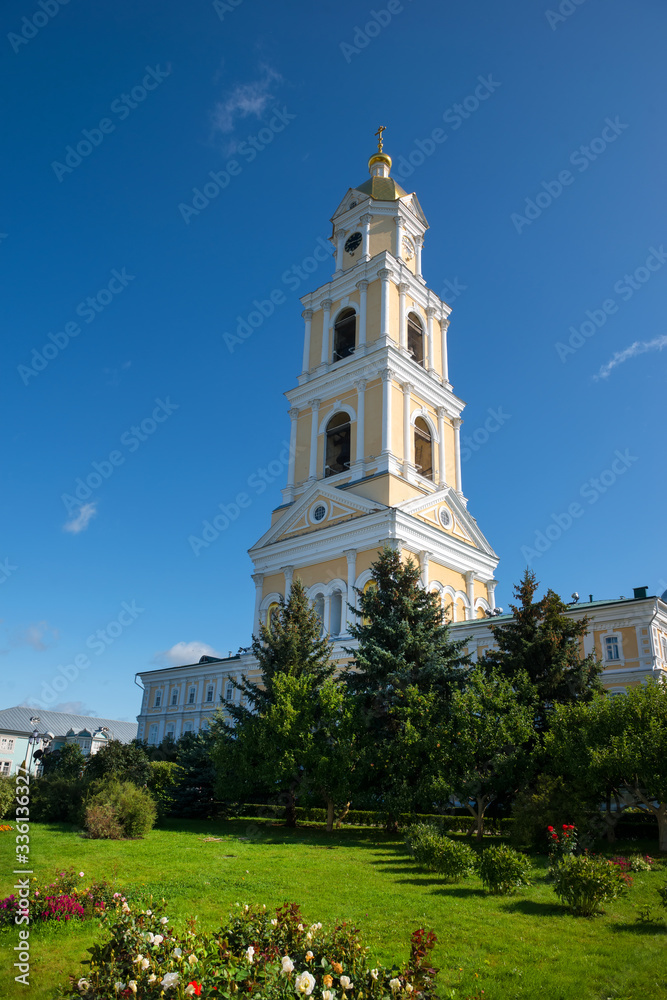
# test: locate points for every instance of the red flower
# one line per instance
(554, 836)
(550, 829)
(565, 826)
(197, 987)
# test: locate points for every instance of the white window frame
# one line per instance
(152, 734)
(5, 767)
(610, 640)
(663, 647)
(174, 697)
(157, 701)
(210, 694)
(192, 694)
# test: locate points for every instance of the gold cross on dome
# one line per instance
(382, 128)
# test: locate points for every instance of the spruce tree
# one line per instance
(541, 645)
(404, 671)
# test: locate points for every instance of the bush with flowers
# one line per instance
(562, 843)
(65, 897)
(586, 881)
(452, 859)
(268, 954)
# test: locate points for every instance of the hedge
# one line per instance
(364, 817)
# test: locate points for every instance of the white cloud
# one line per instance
(87, 512)
(69, 707)
(639, 347)
(35, 634)
(185, 652)
(244, 100)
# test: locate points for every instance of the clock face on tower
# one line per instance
(408, 248)
(353, 242)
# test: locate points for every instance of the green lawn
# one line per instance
(525, 946)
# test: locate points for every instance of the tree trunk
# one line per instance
(290, 809)
(330, 815)
(341, 816)
(478, 826)
(661, 813)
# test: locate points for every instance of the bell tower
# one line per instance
(375, 425)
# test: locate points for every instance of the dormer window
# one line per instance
(345, 334)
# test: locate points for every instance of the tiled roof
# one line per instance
(17, 719)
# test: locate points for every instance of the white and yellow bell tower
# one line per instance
(375, 426)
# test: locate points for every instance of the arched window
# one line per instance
(335, 613)
(271, 614)
(423, 448)
(338, 445)
(318, 607)
(415, 339)
(345, 334)
(371, 585)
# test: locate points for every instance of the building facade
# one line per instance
(24, 732)
(375, 460)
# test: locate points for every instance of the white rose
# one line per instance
(374, 974)
(189, 990)
(125, 908)
(309, 936)
(178, 952)
(304, 984)
(164, 920)
(345, 982)
(395, 985)
(169, 980)
(150, 937)
(158, 939)
(139, 958)
(300, 927)
(83, 984)
(309, 956)
(274, 922)
(409, 987)
(152, 977)
(145, 963)
(192, 959)
(288, 964)
(133, 985)
(149, 913)
(328, 995)
(249, 953)
(119, 986)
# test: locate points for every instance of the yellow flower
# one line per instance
(327, 980)
(337, 967)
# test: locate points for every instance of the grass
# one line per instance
(512, 948)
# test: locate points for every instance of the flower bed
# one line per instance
(64, 898)
(255, 952)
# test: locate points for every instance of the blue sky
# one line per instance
(541, 199)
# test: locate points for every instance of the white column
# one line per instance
(457, 452)
(326, 316)
(327, 613)
(294, 413)
(350, 618)
(366, 237)
(398, 246)
(340, 249)
(491, 588)
(361, 410)
(441, 445)
(444, 323)
(407, 450)
(386, 411)
(308, 317)
(259, 582)
(470, 592)
(418, 255)
(362, 286)
(384, 304)
(289, 576)
(430, 313)
(314, 416)
(402, 321)
(423, 558)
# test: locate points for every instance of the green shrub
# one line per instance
(7, 796)
(503, 870)
(163, 779)
(584, 882)
(57, 800)
(120, 805)
(440, 854)
(662, 892)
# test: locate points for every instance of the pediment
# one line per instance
(352, 194)
(444, 511)
(319, 508)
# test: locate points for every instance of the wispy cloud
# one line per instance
(639, 347)
(35, 635)
(244, 100)
(185, 652)
(69, 707)
(87, 512)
